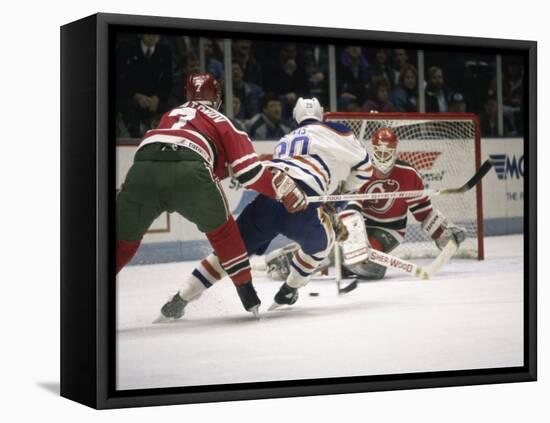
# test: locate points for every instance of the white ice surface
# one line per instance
(468, 316)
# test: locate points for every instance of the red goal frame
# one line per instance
(434, 116)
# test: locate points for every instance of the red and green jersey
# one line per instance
(212, 135)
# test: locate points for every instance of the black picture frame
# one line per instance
(87, 210)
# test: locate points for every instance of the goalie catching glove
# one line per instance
(438, 227)
(288, 193)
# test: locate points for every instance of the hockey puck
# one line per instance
(313, 294)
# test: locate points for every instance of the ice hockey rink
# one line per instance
(470, 315)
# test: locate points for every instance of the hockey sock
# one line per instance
(229, 247)
(302, 266)
(208, 272)
(125, 250)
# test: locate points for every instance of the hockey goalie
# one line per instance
(381, 224)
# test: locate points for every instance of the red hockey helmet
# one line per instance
(204, 88)
(384, 146)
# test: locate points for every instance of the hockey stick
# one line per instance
(338, 265)
(387, 260)
(426, 272)
(473, 181)
(446, 253)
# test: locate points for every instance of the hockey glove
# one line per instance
(292, 197)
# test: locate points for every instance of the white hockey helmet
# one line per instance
(307, 108)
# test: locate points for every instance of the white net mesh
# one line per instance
(443, 150)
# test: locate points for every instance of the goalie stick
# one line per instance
(426, 272)
(473, 181)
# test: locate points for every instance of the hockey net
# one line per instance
(445, 149)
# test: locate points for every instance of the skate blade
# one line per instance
(162, 319)
(255, 311)
(274, 306)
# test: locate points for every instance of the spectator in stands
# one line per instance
(457, 104)
(437, 93)
(287, 79)
(352, 106)
(488, 118)
(399, 61)
(316, 67)
(268, 125)
(353, 76)
(144, 80)
(250, 95)
(190, 63)
(405, 95)
(379, 96)
(252, 71)
(213, 57)
(512, 90)
(380, 67)
(238, 123)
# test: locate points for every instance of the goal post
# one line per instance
(445, 149)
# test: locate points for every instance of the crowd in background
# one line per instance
(269, 77)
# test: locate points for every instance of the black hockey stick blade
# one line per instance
(348, 288)
(474, 180)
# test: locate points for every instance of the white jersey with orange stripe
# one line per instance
(321, 155)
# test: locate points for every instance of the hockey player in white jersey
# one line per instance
(318, 156)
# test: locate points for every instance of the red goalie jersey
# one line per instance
(391, 214)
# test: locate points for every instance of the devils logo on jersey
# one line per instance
(384, 185)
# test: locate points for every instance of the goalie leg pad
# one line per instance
(379, 239)
(451, 232)
(434, 224)
(278, 261)
(367, 270)
(438, 227)
(355, 248)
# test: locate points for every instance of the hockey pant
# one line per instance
(177, 181)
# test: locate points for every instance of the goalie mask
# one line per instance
(384, 150)
(204, 88)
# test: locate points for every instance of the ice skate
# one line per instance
(249, 298)
(286, 296)
(172, 310)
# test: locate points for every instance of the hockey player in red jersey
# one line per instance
(386, 220)
(178, 166)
